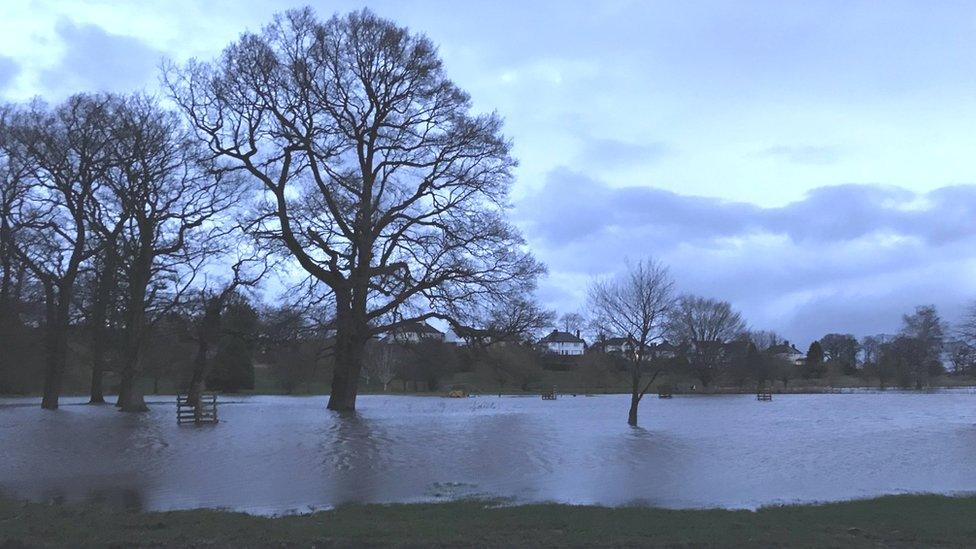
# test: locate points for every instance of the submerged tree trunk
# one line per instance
(352, 332)
(632, 414)
(635, 396)
(131, 398)
(57, 309)
(106, 285)
(97, 392)
(199, 373)
(345, 377)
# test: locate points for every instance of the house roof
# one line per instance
(784, 349)
(619, 341)
(665, 346)
(418, 328)
(560, 337)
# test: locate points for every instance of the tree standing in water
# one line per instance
(164, 182)
(635, 304)
(378, 180)
(66, 150)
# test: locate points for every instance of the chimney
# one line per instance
(577, 333)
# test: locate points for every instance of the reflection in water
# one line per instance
(288, 454)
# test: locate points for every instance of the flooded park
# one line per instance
(275, 455)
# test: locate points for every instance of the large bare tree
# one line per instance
(635, 304)
(15, 168)
(65, 149)
(171, 198)
(379, 181)
(706, 325)
(108, 217)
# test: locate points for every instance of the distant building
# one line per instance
(414, 332)
(665, 350)
(628, 346)
(787, 351)
(623, 345)
(563, 343)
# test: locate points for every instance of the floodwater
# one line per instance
(273, 455)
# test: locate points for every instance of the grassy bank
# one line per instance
(566, 382)
(921, 520)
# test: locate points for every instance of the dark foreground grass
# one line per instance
(897, 521)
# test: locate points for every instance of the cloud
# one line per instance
(96, 60)
(613, 153)
(806, 155)
(846, 257)
(9, 69)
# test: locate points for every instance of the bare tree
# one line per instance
(962, 350)
(635, 304)
(571, 322)
(961, 355)
(379, 182)
(382, 362)
(515, 320)
(764, 339)
(14, 172)
(171, 196)
(107, 219)
(15, 169)
(66, 151)
(706, 325)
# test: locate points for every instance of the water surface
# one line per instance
(289, 454)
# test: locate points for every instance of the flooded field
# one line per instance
(274, 455)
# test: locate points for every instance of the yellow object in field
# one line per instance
(457, 393)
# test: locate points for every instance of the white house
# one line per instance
(563, 343)
(412, 333)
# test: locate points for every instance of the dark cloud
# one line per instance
(807, 155)
(826, 215)
(846, 257)
(8, 71)
(613, 153)
(96, 60)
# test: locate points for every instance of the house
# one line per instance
(624, 345)
(563, 343)
(628, 345)
(413, 333)
(789, 352)
(666, 350)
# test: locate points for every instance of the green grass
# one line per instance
(917, 520)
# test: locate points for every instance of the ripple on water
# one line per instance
(278, 454)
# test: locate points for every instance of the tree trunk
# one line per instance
(634, 394)
(199, 373)
(130, 395)
(632, 415)
(106, 284)
(352, 332)
(57, 345)
(348, 365)
(97, 386)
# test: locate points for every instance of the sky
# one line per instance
(813, 163)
